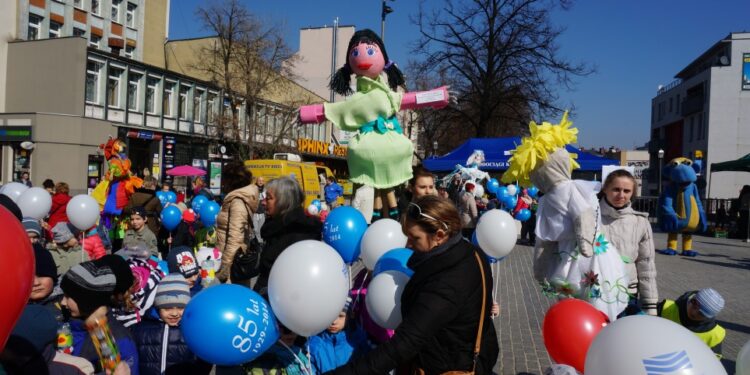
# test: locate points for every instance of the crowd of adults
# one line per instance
(139, 277)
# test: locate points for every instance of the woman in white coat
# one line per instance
(630, 231)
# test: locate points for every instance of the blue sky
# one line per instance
(635, 45)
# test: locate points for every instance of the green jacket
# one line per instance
(66, 259)
(145, 237)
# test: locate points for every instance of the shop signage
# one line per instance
(15, 133)
(168, 156)
(311, 146)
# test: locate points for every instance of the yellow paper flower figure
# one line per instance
(535, 148)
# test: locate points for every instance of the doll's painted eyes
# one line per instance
(355, 52)
(370, 51)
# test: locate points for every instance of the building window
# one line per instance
(134, 84)
(78, 32)
(671, 105)
(129, 51)
(130, 15)
(35, 26)
(95, 9)
(197, 114)
(152, 84)
(78, 3)
(55, 29)
(95, 41)
(93, 68)
(182, 107)
(678, 103)
(113, 87)
(211, 108)
(116, 10)
(166, 104)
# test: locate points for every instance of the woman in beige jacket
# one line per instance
(234, 222)
(630, 231)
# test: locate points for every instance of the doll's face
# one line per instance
(366, 60)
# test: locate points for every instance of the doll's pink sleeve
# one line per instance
(436, 98)
(312, 114)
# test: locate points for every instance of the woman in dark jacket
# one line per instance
(286, 224)
(146, 198)
(442, 303)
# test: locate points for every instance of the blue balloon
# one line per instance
(171, 217)
(501, 192)
(492, 260)
(533, 191)
(510, 201)
(493, 185)
(523, 214)
(209, 211)
(228, 325)
(171, 197)
(198, 202)
(162, 195)
(394, 260)
(317, 203)
(474, 239)
(343, 230)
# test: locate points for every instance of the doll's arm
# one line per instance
(585, 229)
(436, 98)
(312, 114)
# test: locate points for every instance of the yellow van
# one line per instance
(311, 177)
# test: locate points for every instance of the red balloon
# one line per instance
(16, 266)
(569, 329)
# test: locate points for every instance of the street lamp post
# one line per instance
(661, 159)
(434, 148)
(384, 11)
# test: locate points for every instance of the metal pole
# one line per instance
(382, 21)
(660, 167)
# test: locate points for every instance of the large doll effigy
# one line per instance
(572, 257)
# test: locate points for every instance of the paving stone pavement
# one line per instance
(724, 264)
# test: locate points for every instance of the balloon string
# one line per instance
(83, 247)
(359, 290)
(303, 366)
(496, 271)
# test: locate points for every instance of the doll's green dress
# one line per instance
(379, 154)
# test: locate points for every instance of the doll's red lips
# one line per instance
(364, 66)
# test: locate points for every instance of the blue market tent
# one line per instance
(497, 152)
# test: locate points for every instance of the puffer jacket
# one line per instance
(279, 233)
(440, 306)
(162, 349)
(233, 225)
(630, 231)
(147, 199)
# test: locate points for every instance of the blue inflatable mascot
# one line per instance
(680, 208)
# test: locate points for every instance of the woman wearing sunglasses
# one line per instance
(446, 304)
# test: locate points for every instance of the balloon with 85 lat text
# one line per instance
(343, 230)
(228, 325)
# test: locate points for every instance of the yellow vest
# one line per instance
(711, 337)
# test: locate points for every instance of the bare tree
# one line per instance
(249, 60)
(500, 56)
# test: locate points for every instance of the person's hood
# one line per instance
(295, 221)
(248, 194)
(609, 211)
(553, 171)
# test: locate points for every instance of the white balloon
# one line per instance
(14, 190)
(313, 209)
(35, 202)
(620, 349)
(742, 365)
(383, 299)
(381, 236)
(478, 191)
(308, 287)
(512, 189)
(83, 211)
(496, 233)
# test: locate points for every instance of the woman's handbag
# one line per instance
(478, 343)
(245, 263)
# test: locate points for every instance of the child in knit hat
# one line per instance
(45, 278)
(88, 290)
(138, 233)
(696, 310)
(33, 229)
(66, 252)
(182, 260)
(161, 346)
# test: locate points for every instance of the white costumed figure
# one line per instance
(572, 257)
(471, 172)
